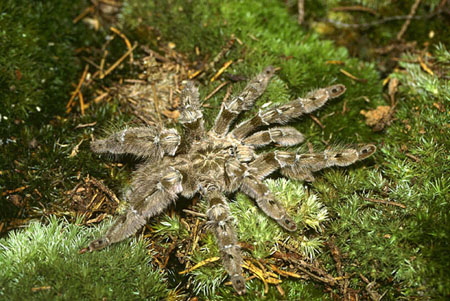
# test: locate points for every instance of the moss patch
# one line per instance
(42, 262)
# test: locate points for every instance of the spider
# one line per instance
(218, 162)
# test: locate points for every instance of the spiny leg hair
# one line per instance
(231, 108)
(145, 142)
(254, 188)
(219, 162)
(221, 223)
(191, 116)
(301, 166)
(284, 136)
(142, 206)
(284, 113)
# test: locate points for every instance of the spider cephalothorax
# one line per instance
(218, 162)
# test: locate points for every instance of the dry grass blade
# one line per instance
(77, 89)
(118, 62)
(201, 263)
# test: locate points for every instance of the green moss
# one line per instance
(37, 43)
(42, 263)
(404, 248)
(269, 36)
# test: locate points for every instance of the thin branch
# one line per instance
(301, 11)
(408, 21)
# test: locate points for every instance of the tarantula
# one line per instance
(218, 162)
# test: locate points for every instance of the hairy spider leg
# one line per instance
(191, 116)
(232, 107)
(145, 142)
(153, 203)
(286, 112)
(283, 135)
(265, 200)
(221, 223)
(301, 166)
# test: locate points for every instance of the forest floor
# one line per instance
(74, 72)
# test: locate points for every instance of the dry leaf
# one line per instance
(378, 118)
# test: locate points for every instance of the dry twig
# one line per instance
(348, 74)
(408, 20)
(216, 90)
(301, 11)
(221, 70)
(77, 89)
(117, 63)
(106, 190)
(386, 202)
(201, 263)
(127, 42)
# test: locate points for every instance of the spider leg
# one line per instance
(254, 188)
(144, 142)
(301, 166)
(293, 109)
(267, 163)
(144, 203)
(244, 101)
(191, 116)
(284, 136)
(305, 164)
(220, 220)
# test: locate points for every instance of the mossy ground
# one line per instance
(404, 250)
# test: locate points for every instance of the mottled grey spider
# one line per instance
(218, 162)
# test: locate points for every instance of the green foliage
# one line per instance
(42, 263)
(403, 248)
(37, 42)
(269, 36)
(170, 226)
(38, 66)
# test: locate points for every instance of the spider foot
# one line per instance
(238, 283)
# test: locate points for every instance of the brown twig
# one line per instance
(301, 11)
(106, 190)
(348, 74)
(285, 273)
(90, 62)
(4, 193)
(386, 202)
(412, 157)
(127, 42)
(425, 67)
(224, 50)
(156, 103)
(316, 120)
(408, 20)
(82, 106)
(102, 63)
(79, 126)
(100, 97)
(344, 107)
(356, 8)
(227, 94)
(221, 70)
(83, 14)
(202, 263)
(117, 63)
(194, 213)
(77, 89)
(216, 90)
(311, 270)
(155, 54)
